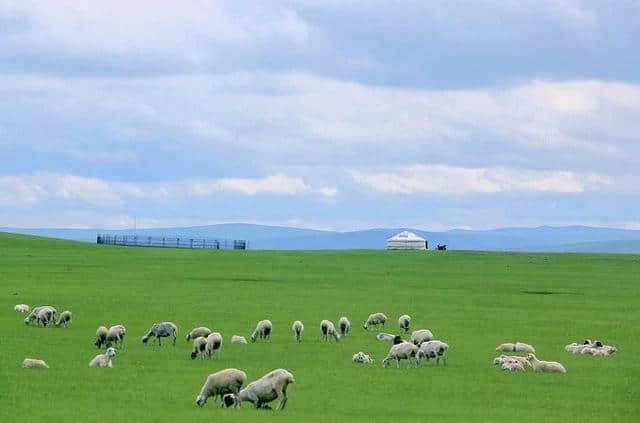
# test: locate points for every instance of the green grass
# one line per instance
(472, 300)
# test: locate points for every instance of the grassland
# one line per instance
(472, 300)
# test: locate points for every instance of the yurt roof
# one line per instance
(406, 236)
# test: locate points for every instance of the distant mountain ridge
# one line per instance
(543, 238)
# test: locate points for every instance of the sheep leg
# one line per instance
(283, 399)
(398, 362)
(158, 339)
(174, 339)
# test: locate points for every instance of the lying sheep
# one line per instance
(345, 326)
(104, 360)
(504, 358)
(214, 343)
(227, 381)
(395, 339)
(516, 347)
(65, 318)
(361, 357)
(297, 329)
(199, 347)
(404, 321)
(101, 336)
(420, 336)
(374, 319)
(196, 332)
(603, 351)
(511, 365)
(262, 330)
(238, 339)
(116, 334)
(433, 349)
(22, 308)
(34, 363)
(268, 388)
(328, 329)
(161, 330)
(402, 351)
(545, 366)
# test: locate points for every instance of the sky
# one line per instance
(320, 114)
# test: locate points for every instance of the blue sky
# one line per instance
(322, 114)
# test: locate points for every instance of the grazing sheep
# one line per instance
(297, 329)
(34, 363)
(104, 360)
(262, 330)
(402, 351)
(101, 336)
(22, 308)
(227, 381)
(361, 357)
(238, 339)
(42, 314)
(197, 332)
(433, 349)
(161, 330)
(420, 336)
(65, 318)
(374, 319)
(268, 388)
(404, 322)
(214, 343)
(116, 334)
(382, 336)
(516, 347)
(328, 329)
(345, 326)
(545, 366)
(199, 347)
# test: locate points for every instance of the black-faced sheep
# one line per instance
(297, 329)
(214, 343)
(199, 347)
(104, 360)
(262, 330)
(65, 318)
(268, 388)
(374, 320)
(161, 330)
(404, 322)
(395, 339)
(196, 332)
(402, 351)
(345, 326)
(327, 329)
(227, 381)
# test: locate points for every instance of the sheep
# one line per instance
(101, 336)
(504, 358)
(375, 319)
(268, 388)
(328, 329)
(262, 330)
(214, 343)
(116, 334)
(161, 330)
(227, 381)
(42, 314)
(512, 365)
(516, 347)
(22, 308)
(404, 321)
(197, 332)
(297, 329)
(402, 351)
(433, 349)
(199, 347)
(420, 336)
(34, 363)
(361, 357)
(572, 347)
(545, 366)
(104, 360)
(382, 336)
(65, 317)
(345, 326)
(238, 339)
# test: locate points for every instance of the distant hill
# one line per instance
(543, 238)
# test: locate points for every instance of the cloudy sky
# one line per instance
(323, 114)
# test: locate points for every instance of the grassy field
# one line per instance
(472, 300)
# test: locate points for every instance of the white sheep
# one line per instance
(214, 343)
(227, 381)
(199, 347)
(504, 358)
(262, 330)
(101, 336)
(34, 363)
(402, 351)
(512, 365)
(116, 334)
(65, 318)
(433, 349)
(238, 339)
(516, 347)
(42, 314)
(404, 322)
(545, 366)
(268, 388)
(374, 319)
(327, 329)
(196, 332)
(420, 336)
(297, 329)
(382, 336)
(22, 308)
(345, 326)
(161, 330)
(361, 357)
(104, 360)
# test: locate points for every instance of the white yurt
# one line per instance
(406, 241)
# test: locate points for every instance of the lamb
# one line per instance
(297, 329)
(237, 339)
(34, 363)
(161, 330)
(101, 336)
(268, 388)
(22, 308)
(382, 336)
(402, 351)
(361, 357)
(404, 321)
(516, 347)
(262, 330)
(199, 347)
(374, 319)
(420, 336)
(65, 317)
(328, 329)
(433, 349)
(545, 366)
(345, 326)
(104, 360)
(116, 334)
(227, 381)
(197, 332)
(214, 343)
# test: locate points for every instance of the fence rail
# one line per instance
(164, 242)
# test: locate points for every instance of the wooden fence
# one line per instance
(163, 242)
